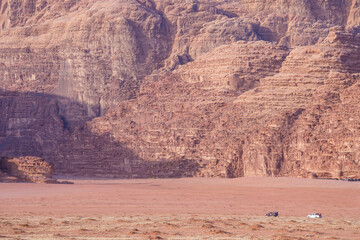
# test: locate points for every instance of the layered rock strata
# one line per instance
(142, 88)
(26, 169)
(197, 114)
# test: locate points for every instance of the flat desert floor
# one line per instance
(190, 208)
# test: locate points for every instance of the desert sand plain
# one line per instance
(188, 208)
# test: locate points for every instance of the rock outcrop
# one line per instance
(150, 88)
(25, 169)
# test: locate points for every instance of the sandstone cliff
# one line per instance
(141, 88)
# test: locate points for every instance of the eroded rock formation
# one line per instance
(25, 169)
(141, 88)
(195, 113)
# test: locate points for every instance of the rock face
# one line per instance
(26, 169)
(141, 88)
(196, 113)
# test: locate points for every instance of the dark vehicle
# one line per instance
(351, 179)
(272, 214)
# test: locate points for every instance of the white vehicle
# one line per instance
(315, 215)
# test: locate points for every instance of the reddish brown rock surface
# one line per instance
(25, 169)
(141, 88)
